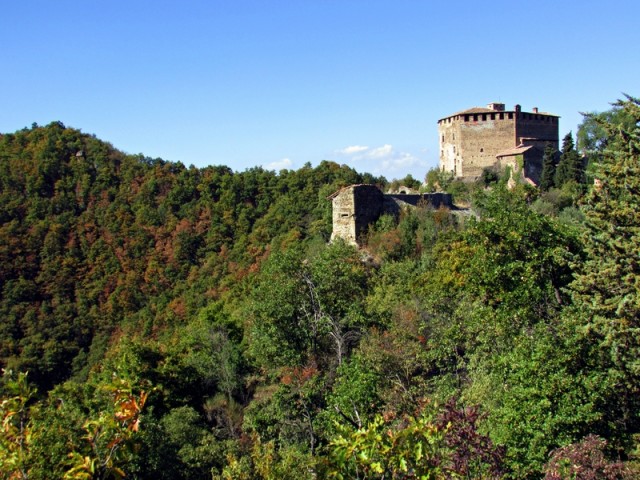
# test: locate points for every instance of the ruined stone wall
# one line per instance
(354, 208)
(433, 200)
(343, 207)
(368, 207)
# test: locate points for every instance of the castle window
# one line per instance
(502, 116)
(443, 138)
(493, 116)
(484, 117)
(466, 118)
(481, 150)
(475, 118)
(510, 116)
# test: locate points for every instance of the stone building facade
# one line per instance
(493, 137)
(357, 206)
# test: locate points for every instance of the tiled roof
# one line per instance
(474, 110)
(519, 150)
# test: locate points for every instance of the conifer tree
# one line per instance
(608, 287)
(547, 178)
(571, 165)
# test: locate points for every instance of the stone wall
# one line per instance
(358, 206)
(433, 200)
(481, 141)
(537, 129)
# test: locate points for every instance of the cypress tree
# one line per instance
(547, 178)
(571, 165)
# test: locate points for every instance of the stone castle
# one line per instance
(495, 138)
(470, 141)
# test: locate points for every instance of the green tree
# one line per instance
(16, 429)
(434, 443)
(264, 461)
(111, 436)
(571, 166)
(304, 309)
(593, 137)
(607, 288)
(547, 179)
(545, 392)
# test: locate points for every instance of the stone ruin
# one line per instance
(357, 206)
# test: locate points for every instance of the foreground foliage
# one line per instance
(432, 444)
(193, 323)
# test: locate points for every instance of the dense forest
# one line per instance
(159, 321)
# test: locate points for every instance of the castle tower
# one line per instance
(483, 137)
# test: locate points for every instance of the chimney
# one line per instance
(517, 108)
(535, 109)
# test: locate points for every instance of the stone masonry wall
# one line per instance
(368, 200)
(344, 225)
(537, 129)
(481, 141)
(358, 206)
(449, 133)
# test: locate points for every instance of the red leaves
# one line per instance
(298, 376)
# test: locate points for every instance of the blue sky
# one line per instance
(281, 83)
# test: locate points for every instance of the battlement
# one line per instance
(497, 112)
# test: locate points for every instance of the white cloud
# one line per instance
(285, 163)
(383, 160)
(381, 152)
(353, 149)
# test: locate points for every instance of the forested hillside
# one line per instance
(165, 322)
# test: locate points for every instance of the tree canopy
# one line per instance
(163, 321)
